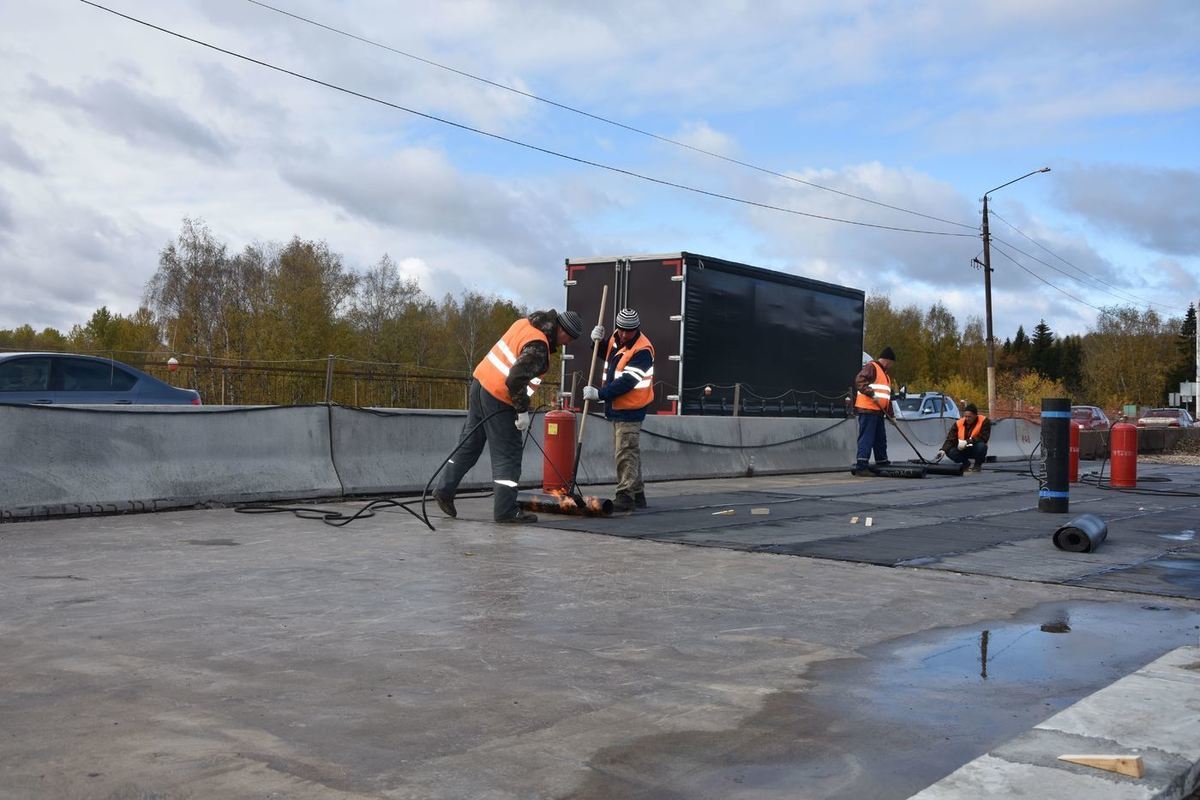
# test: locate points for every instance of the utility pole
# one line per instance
(1196, 388)
(987, 305)
(987, 291)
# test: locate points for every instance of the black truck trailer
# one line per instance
(726, 335)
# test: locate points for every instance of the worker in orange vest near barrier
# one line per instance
(627, 390)
(872, 403)
(967, 439)
(503, 384)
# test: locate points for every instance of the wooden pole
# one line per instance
(587, 403)
(737, 399)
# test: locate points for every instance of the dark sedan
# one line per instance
(65, 379)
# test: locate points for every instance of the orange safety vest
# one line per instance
(492, 371)
(883, 392)
(642, 393)
(978, 427)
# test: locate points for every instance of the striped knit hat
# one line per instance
(628, 320)
(571, 322)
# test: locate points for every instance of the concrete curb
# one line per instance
(1154, 713)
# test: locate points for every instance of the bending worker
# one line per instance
(627, 390)
(967, 439)
(502, 386)
(872, 402)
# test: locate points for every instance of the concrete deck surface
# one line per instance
(206, 653)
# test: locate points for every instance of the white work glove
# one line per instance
(590, 393)
(598, 333)
(522, 421)
(963, 444)
(940, 455)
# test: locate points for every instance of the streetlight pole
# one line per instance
(987, 293)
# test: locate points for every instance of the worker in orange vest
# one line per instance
(872, 403)
(627, 390)
(967, 439)
(498, 408)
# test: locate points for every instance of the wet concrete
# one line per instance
(926, 703)
(481, 661)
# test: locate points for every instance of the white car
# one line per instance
(925, 405)
(1166, 418)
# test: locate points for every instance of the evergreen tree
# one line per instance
(1041, 352)
(1184, 367)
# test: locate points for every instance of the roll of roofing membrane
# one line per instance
(899, 471)
(1082, 534)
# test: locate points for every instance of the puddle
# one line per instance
(217, 542)
(905, 715)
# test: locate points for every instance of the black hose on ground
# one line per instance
(339, 519)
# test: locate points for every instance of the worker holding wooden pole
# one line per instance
(627, 389)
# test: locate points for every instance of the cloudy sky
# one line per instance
(111, 133)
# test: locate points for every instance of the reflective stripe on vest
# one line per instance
(978, 427)
(492, 372)
(882, 389)
(642, 393)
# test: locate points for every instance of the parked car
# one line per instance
(63, 378)
(1090, 418)
(1166, 418)
(925, 405)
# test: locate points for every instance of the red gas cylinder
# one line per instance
(558, 464)
(1073, 461)
(1124, 446)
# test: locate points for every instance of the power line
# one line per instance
(1125, 295)
(1122, 298)
(1002, 252)
(599, 118)
(519, 143)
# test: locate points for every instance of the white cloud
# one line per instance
(122, 131)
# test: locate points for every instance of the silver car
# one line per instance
(66, 379)
(1166, 418)
(926, 405)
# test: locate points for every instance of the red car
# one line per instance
(1090, 418)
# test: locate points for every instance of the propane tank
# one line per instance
(558, 464)
(1124, 448)
(1073, 462)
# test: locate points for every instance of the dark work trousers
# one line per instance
(504, 443)
(872, 434)
(977, 451)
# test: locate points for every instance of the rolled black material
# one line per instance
(1054, 496)
(942, 469)
(900, 471)
(1082, 534)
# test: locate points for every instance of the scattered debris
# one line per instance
(1125, 765)
(854, 520)
(759, 512)
(729, 512)
(868, 521)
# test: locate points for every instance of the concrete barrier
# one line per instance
(380, 451)
(87, 460)
(1011, 439)
(79, 460)
(376, 451)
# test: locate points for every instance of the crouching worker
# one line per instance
(627, 391)
(499, 396)
(967, 439)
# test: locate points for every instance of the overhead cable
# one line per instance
(598, 117)
(517, 142)
(1002, 252)
(1128, 296)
